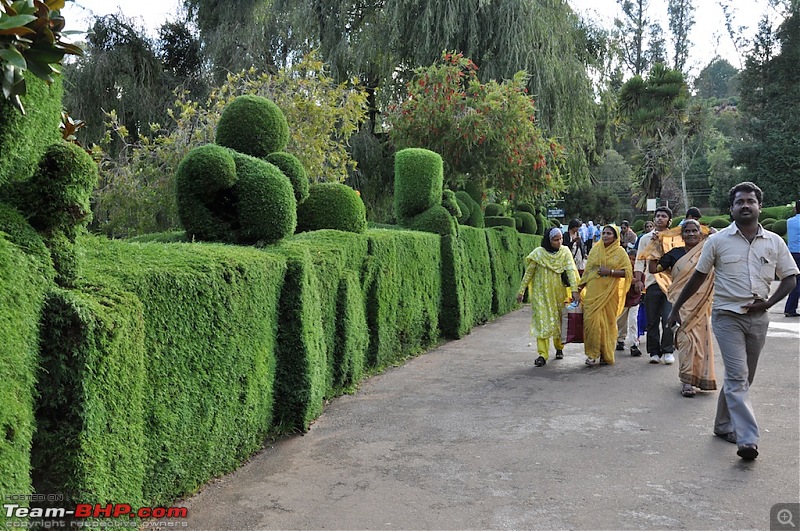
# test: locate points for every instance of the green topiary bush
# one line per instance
(418, 179)
(719, 223)
(494, 209)
(779, 227)
(332, 206)
(767, 221)
(528, 222)
(465, 212)
(294, 170)
(526, 207)
(56, 197)
(254, 126)
(638, 225)
(542, 224)
(475, 214)
(436, 219)
(266, 205)
(776, 212)
(675, 221)
(450, 202)
(500, 221)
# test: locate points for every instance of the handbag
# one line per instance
(632, 298)
(572, 324)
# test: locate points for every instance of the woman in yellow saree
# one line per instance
(547, 268)
(607, 278)
(693, 338)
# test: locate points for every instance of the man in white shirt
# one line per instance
(746, 259)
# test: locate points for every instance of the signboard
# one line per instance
(555, 212)
(652, 204)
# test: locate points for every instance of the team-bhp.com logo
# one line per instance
(89, 510)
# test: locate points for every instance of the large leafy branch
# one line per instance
(30, 39)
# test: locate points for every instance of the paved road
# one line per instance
(472, 436)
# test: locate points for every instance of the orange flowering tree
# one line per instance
(483, 130)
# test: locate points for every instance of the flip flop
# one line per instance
(687, 391)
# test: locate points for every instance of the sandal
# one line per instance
(687, 390)
(559, 354)
(591, 362)
(540, 361)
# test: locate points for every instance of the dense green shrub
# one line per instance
(465, 212)
(767, 221)
(475, 213)
(266, 205)
(450, 202)
(517, 222)
(528, 221)
(675, 221)
(499, 221)
(542, 224)
(19, 232)
(24, 138)
(494, 209)
(436, 219)
(505, 259)
(776, 212)
(255, 203)
(526, 207)
(252, 125)
(638, 225)
(332, 206)
(418, 178)
(210, 316)
(466, 282)
(57, 196)
(719, 223)
(336, 259)
(90, 438)
(474, 187)
(779, 227)
(294, 170)
(22, 290)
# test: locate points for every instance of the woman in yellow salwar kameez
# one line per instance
(548, 268)
(693, 338)
(607, 278)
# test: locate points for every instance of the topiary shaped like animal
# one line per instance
(55, 201)
(228, 192)
(418, 182)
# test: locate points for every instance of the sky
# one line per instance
(708, 35)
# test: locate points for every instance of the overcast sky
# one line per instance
(709, 36)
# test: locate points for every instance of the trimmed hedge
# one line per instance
(252, 125)
(22, 290)
(500, 221)
(450, 202)
(436, 220)
(90, 442)
(719, 223)
(266, 204)
(776, 212)
(419, 176)
(475, 218)
(210, 316)
(466, 282)
(494, 209)
(24, 138)
(332, 206)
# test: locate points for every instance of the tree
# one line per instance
(653, 117)
(591, 203)
(632, 29)
(120, 71)
(717, 80)
(681, 20)
(657, 45)
(480, 130)
(770, 90)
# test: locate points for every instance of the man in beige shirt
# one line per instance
(746, 259)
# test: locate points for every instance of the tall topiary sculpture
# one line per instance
(244, 188)
(418, 180)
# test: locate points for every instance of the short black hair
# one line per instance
(746, 187)
(693, 212)
(574, 224)
(663, 209)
